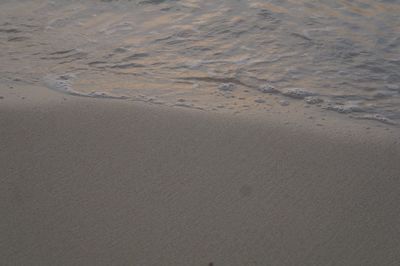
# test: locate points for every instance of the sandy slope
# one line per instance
(103, 182)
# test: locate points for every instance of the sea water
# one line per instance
(336, 55)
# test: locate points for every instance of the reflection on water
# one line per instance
(344, 55)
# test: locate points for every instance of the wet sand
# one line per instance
(108, 182)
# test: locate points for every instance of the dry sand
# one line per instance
(108, 182)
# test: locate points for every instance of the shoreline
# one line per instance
(295, 117)
(102, 181)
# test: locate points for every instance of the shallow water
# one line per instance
(341, 55)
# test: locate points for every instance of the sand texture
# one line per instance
(109, 182)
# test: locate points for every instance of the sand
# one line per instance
(110, 182)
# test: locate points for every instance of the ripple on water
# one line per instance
(341, 56)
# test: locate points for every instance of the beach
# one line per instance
(158, 132)
(111, 182)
